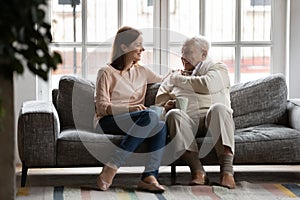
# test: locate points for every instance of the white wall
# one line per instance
(24, 89)
(294, 57)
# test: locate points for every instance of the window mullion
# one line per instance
(84, 40)
(237, 76)
(202, 17)
(164, 36)
(156, 36)
(120, 13)
(278, 36)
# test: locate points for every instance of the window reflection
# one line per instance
(220, 20)
(255, 63)
(227, 56)
(138, 13)
(256, 20)
(252, 43)
(66, 23)
(184, 17)
(71, 58)
(102, 20)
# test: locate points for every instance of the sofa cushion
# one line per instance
(152, 90)
(75, 103)
(263, 101)
(77, 147)
(262, 144)
(267, 143)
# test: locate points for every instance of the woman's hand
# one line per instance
(137, 108)
(169, 105)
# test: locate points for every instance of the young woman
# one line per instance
(119, 99)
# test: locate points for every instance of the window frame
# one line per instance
(161, 19)
(260, 2)
(277, 42)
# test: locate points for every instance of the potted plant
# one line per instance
(24, 43)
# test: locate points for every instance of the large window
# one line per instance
(241, 33)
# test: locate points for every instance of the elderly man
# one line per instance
(204, 86)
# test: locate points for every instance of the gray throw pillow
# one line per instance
(75, 103)
(262, 101)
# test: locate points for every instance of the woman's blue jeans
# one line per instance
(138, 127)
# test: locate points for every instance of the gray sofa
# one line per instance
(60, 133)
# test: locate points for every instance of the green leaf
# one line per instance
(22, 18)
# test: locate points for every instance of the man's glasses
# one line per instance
(183, 60)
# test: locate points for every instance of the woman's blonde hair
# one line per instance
(125, 35)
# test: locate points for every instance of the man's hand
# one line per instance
(177, 78)
(137, 108)
(169, 105)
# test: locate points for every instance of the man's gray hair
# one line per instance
(199, 42)
(193, 49)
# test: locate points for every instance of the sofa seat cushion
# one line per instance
(265, 132)
(262, 144)
(152, 90)
(83, 148)
(268, 143)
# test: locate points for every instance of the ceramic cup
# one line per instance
(158, 109)
(181, 103)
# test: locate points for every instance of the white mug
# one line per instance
(181, 103)
(158, 109)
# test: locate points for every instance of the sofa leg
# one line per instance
(173, 174)
(24, 174)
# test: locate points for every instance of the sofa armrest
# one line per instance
(294, 113)
(38, 129)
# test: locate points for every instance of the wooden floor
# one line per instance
(86, 177)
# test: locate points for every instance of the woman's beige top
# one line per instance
(120, 89)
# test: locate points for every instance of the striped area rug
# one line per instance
(244, 190)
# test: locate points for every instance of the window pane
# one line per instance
(260, 2)
(71, 64)
(256, 21)
(175, 58)
(255, 63)
(147, 58)
(96, 58)
(100, 56)
(227, 56)
(220, 20)
(184, 17)
(102, 21)
(173, 53)
(66, 25)
(161, 55)
(138, 13)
